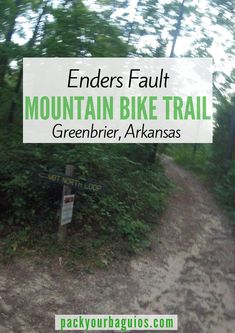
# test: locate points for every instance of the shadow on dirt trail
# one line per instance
(190, 271)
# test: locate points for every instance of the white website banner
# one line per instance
(117, 100)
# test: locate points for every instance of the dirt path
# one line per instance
(190, 271)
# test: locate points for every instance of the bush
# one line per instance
(191, 156)
(225, 191)
(132, 190)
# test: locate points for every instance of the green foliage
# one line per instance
(135, 189)
(77, 31)
(213, 162)
(191, 156)
(225, 191)
(132, 191)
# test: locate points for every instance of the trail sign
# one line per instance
(67, 209)
(77, 184)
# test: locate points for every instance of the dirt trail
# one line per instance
(190, 271)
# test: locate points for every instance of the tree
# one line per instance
(231, 136)
(42, 11)
(77, 31)
(10, 10)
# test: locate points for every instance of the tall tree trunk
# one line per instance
(231, 139)
(153, 153)
(152, 157)
(194, 150)
(13, 107)
(30, 44)
(178, 28)
(132, 24)
(4, 59)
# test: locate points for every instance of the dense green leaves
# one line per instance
(130, 189)
(134, 187)
(215, 162)
(77, 31)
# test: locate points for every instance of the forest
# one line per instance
(135, 187)
(152, 226)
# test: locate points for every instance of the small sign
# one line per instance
(67, 209)
(69, 181)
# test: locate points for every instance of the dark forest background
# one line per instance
(135, 187)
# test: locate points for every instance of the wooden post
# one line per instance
(62, 232)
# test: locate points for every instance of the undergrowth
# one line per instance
(117, 218)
